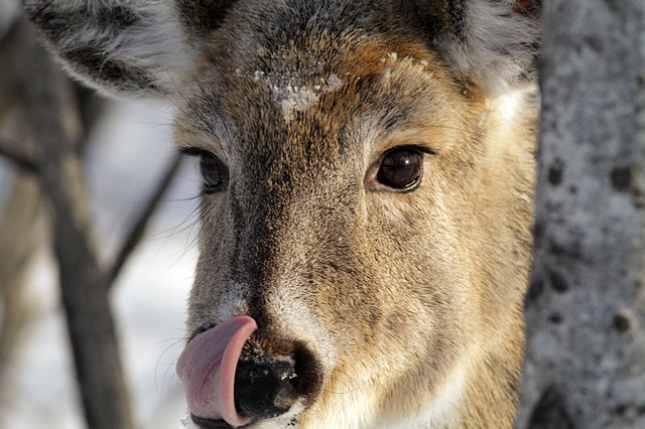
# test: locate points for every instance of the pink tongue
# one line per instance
(207, 369)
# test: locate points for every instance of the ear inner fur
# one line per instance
(137, 49)
(461, 31)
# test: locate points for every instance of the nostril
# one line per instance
(264, 385)
(269, 384)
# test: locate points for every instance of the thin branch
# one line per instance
(17, 244)
(7, 150)
(139, 227)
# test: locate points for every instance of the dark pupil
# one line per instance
(400, 169)
(212, 172)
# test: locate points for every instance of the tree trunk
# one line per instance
(56, 126)
(585, 310)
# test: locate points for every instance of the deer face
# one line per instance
(348, 208)
(366, 205)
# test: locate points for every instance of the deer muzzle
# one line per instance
(231, 383)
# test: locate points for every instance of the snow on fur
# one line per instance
(295, 96)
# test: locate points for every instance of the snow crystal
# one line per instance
(292, 92)
(334, 83)
(292, 98)
(258, 75)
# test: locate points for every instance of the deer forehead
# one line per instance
(359, 103)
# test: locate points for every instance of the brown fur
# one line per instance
(425, 273)
(409, 303)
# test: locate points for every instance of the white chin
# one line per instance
(285, 421)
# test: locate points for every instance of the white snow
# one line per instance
(292, 98)
(295, 96)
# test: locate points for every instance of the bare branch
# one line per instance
(8, 151)
(17, 244)
(139, 227)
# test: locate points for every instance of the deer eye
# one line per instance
(401, 169)
(214, 173)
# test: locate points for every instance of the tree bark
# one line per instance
(585, 309)
(55, 123)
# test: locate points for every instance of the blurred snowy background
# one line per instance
(130, 148)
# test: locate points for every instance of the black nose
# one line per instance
(267, 385)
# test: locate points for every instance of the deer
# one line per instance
(366, 205)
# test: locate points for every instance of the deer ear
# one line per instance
(138, 48)
(490, 43)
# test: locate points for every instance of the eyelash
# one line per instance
(214, 172)
(419, 148)
(194, 152)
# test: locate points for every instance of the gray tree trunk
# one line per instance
(585, 356)
(56, 127)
